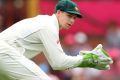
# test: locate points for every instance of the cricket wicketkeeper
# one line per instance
(41, 34)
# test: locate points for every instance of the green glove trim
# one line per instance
(89, 60)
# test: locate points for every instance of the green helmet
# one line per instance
(69, 7)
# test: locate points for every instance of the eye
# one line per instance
(72, 16)
(69, 15)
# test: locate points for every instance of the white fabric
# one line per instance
(18, 66)
(30, 37)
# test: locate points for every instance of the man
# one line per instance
(41, 34)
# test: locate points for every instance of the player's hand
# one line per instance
(93, 61)
(102, 53)
(99, 51)
(99, 57)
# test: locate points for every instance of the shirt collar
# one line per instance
(55, 21)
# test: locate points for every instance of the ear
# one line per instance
(58, 11)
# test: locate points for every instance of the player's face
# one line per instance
(65, 19)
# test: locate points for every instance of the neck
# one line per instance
(58, 21)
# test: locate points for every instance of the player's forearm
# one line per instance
(54, 53)
(65, 62)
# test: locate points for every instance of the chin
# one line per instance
(66, 28)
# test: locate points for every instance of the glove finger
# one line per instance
(107, 67)
(98, 47)
(103, 67)
(106, 61)
(84, 52)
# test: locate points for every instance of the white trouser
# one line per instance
(18, 66)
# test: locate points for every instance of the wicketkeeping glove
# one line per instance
(102, 53)
(97, 58)
(93, 61)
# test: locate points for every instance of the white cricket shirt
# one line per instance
(40, 34)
